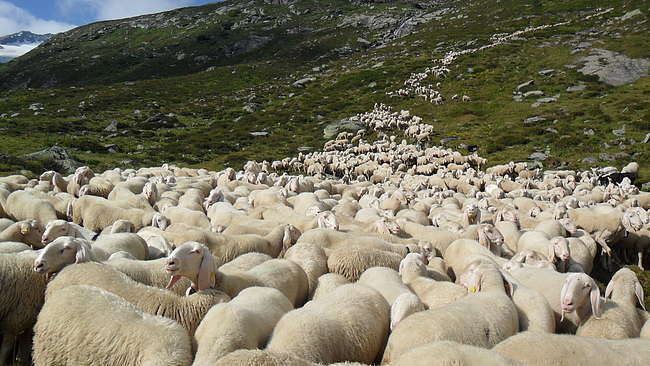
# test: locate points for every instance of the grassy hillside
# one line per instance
(219, 103)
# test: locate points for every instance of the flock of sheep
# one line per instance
(385, 253)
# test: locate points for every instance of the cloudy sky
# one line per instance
(52, 16)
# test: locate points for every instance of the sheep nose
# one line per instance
(38, 266)
(568, 302)
(171, 263)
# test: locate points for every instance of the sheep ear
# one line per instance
(83, 251)
(638, 290)
(564, 289)
(207, 270)
(551, 253)
(609, 289)
(595, 300)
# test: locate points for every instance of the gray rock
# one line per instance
(631, 14)
(645, 187)
(576, 88)
(533, 93)
(372, 85)
(301, 83)
(112, 148)
(589, 132)
(161, 121)
(551, 130)
(620, 132)
(112, 127)
(260, 133)
(534, 119)
(646, 139)
(537, 156)
(613, 68)
(518, 98)
(252, 107)
(447, 140)
(525, 85)
(305, 148)
(589, 160)
(247, 45)
(363, 41)
(546, 72)
(345, 124)
(606, 157)
(64, 163)
(547, 100)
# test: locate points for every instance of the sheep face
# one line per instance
(122, 226)
(579, 290)
(194, 261)
(150, 192)
(31, 230)
(160, 221)
(60, 253)
(559, 249)
(55, 229)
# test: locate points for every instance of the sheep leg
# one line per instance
(8, 341)
(641, 260)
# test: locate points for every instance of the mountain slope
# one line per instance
(250, 106)
(24, 37)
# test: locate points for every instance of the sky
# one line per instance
(53, 16)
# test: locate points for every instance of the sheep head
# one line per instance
(403, 306)
(559, 249)
(55, 229)
(327, 220)
(194, 261)
(578, 290)
(31, 231)
(122, 226)
(61, 252)
(486, 276)
(150, 192)
(159, 221)
(624, 279)
(412, 266)
(568, 225)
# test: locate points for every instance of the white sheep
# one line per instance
(404, 305)
(109, 329)
(446, 353)
(434, 294)
(246, 322)
(349, 324)
(352, 261)
(187, 310)
(481, 319)
(620, 318)
(27, 231)
(327, 283)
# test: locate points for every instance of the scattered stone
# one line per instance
(112, 148)
(534, 119)
(112, 127)
(305, 148)
(377, 65)
(364, 41)
(252, 107)
(606, 157)
(161, 121)
(301, 83)
(589, 132)
(447, 140)
(551, 130)
(613, 68)
(589, 160)
(537, 156)
(547, 100)
(518, 98)
(620, 132)
(533, 93)
(546, 72)
(372, 85)
(345, 124)
(645, 187)
(140, 147)
(576, 88)
(646, 139)
(63, 162)
(631, 14)
(525, 85)
(36, 107)
(260, 133)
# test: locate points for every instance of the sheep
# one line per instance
(112, 243)
(27, 231)
(64, 251)
(434, 294)
(569, 295)
(148, 272)
(245, 262)
(246, 322)
(194, 261)
(5, 223)
(536, 348)
(96, 213)
(187, 310)
(386, 281)
(620, 318)
(22, 297)
(256, 357)
(330, 240)
(110, 329)
(13, 247)
(557, 248)
(480, 319)
(312, 259)
(23, 205)
(58, 228)
(119, 226)
(462, 252)
(188, 217)
(354, 317)
(446, 353)
(404, 305)
(97, 186)
(351, 262)
(327, 283)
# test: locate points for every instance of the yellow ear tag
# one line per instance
(24, 230)
(471, 289)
